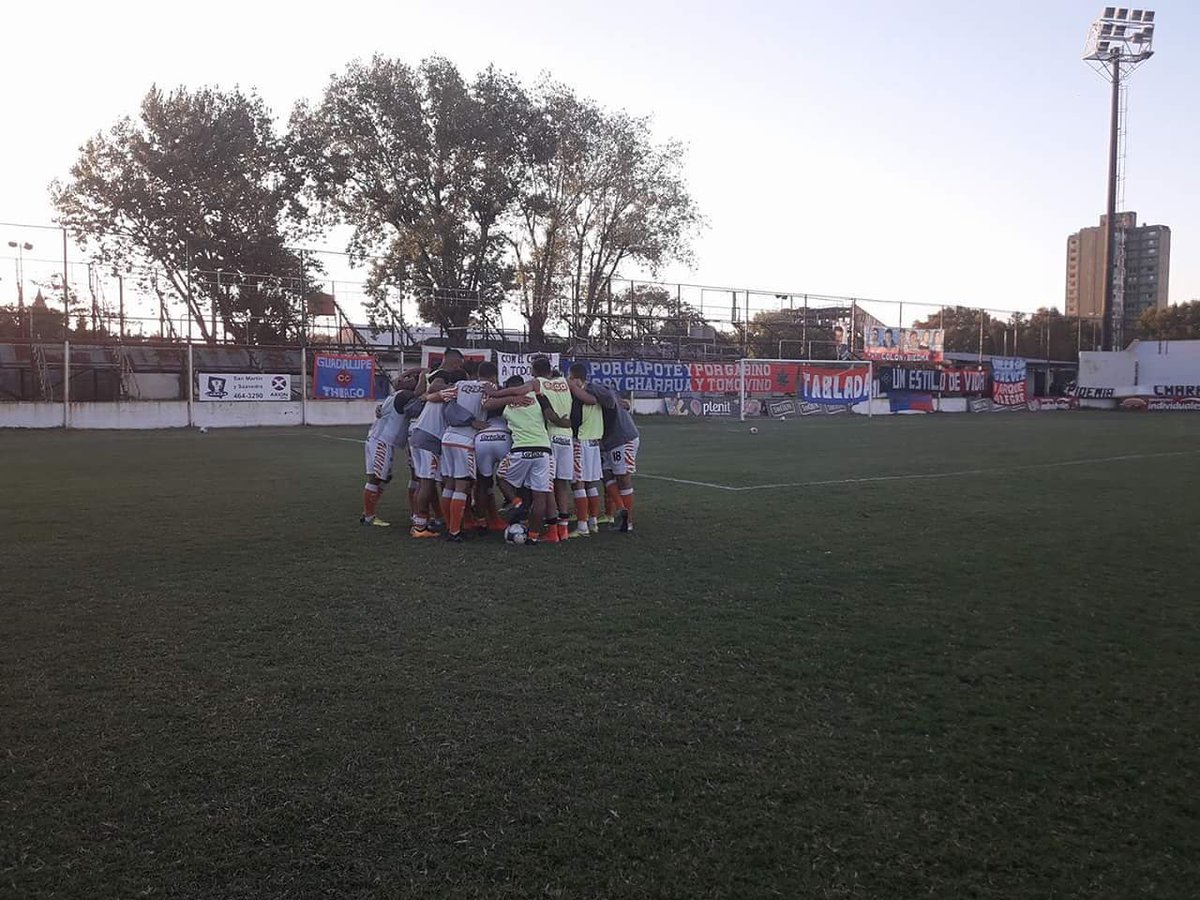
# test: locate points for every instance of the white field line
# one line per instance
(925, 476)
(334, 437)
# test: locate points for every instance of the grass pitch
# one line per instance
(214, 683)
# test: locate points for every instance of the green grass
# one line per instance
(214, 683)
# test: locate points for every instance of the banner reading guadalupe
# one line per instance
(343, 376)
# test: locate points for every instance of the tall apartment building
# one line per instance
(1147, 268)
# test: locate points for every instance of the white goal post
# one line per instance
(749, 372)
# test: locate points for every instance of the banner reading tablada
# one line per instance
(834, 387)
(1008, 381)
(343, 376)
(726, 378)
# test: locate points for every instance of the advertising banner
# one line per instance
(1162, 404)
(213, 386)
(511, 364)
(431, 357)
(1008, 382)
(699, 406)
(910, 344)
(834, 387)
(1051, 404)
(779, 408)
(343, 376)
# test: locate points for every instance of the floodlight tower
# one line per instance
(1119, 41)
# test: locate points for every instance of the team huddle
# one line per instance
(549, 444)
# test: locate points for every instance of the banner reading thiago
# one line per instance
(1008, 381)
(834, 387)
(343, 376)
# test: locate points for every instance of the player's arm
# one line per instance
(604, 395)
(580, 393)
(550, 415)
(520, 390)
(493, 403)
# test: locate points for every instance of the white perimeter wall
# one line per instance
(174, 414)
(1143, 364)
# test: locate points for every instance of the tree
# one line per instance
(1180, 322)
(422, 166)
(198, 184)
(634, 208)
(553, 182)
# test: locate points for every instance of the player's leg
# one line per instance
(543, 513)
(579, 491)
(612, 493)
(425, 468)
(379, 472)
(624, 470)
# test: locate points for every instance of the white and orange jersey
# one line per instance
(469, 396)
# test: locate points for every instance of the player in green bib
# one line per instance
(588, 423)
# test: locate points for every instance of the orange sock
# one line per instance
(371, 494)
(593, 506)
(551, 531)
(627, 500)
(564, 529)
(581, 506)
(613, 494)
(458, 506)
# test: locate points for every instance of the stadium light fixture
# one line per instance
(20, 273)
(1119, 41)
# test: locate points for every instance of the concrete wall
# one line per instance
(174, 414)
(1141, 366)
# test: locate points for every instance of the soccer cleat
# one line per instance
(454, 537)
(622, 520)
(374, 520)
(422, 532)
(578, 534)
(605, 520)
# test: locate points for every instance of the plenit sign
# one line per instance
(343, 376)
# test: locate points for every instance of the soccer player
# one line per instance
(463, 401)
(425, 442)
(620, 447)
(557, 393)
(587, 421)
(388, 432)
(493, 441)
(529, 464)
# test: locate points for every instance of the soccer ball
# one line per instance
(516, 533)
(204, 429)
(783, 418)
(753, 430)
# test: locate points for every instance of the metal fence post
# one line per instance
(66, 385)
(304, 383)
(191, 381)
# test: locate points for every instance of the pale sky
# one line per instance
(925, 151)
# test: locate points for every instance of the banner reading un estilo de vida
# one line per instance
(343, 376)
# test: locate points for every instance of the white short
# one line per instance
(490, 449)
(622, 460)
(533, 469)
(587, 461)
(379, 455)
(458, 460)
(425, 464)
(564, 456)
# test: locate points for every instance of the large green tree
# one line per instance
(422, 166)
(1180, 322)
(199, 185)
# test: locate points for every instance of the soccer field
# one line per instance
(951, 656)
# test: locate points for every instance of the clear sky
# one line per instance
(925, 151)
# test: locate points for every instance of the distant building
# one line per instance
(1147, 265)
